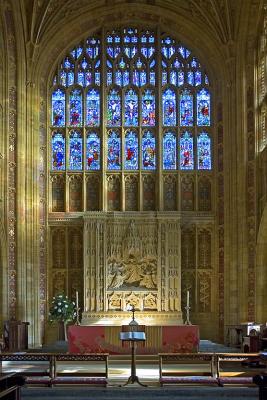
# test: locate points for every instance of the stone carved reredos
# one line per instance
(132, 272)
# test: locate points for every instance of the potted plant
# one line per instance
(62, 310)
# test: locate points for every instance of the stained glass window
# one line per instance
(114, 108)
(114, 151)
(75, 151)
(148, 151)
(58, 151)
(58, 108)
(169, 150)
(204, 151)
(76, 108)
(154, 92)
(92, 151)
(169, 107)
(131, 150)
(131, 108)
(186, 151)
(186, 108)
(203, 108)
(148, 108)
(93, 108)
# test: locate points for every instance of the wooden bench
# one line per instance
(200, 368)
(10, 386)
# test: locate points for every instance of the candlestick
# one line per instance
(187, 299)
(187, 309)
(77, 299)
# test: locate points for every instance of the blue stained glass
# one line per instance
(131, 150)
(76, 52)
(180, 78)
(97, 78)
(118, 78)
(93, 152)
(186, 108)
(114, 108)
(176, 64)
(190, 78)
(70, 78)
(204, 151)
(58, 108)
(93, 47)
(164, 78)
(58, 151)
(206, 80)
(148, 151)
(203, 108)
(135, 78)
(127, 51)
(80, 78)
(97, 64)
(88, 78)
(93, 108)
(186, 151)
(63, 78)
(109, 78)
(84, 64)
(75, 151)
(142, 78)
(197, 78)
(114, 151)
(55, 80)
(131, 108)
(169, 107)
(173, 76)
(169, 151)
(148, 108)
(152, 78)
(125, 78)
(67, 64)
(164, 51)
(76, 113)
(194, 63)
(144, 51)
(152, 64)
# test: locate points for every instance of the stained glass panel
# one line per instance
(93, 108)
(131, 150)
(169, 151)
(76, 116)
(114, 151)
(148, 108)
(131, 108)
(148, 151)
(186, 151)
(58, 151)
(92, 151)
(204, 151)
(75, 151)
(58, 108)
(186, 108)
(203, 108)
(169, 107)
(114, 108)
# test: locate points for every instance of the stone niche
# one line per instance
(132, 258)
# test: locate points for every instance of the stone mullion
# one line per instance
(158, 128)
(103, 130)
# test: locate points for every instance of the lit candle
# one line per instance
(77, 299)
(187, 299)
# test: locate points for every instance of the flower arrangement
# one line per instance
(62, 309)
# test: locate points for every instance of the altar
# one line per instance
(159, 339)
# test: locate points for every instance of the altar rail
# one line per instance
(174, 368)
(208, 368)
(46, 368)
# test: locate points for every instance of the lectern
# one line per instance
(133, 337)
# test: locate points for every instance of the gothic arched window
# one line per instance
(129, 102)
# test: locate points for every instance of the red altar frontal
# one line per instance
(159, 339)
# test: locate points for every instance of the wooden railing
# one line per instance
(174, 368)
(209, 368)
(47, 370)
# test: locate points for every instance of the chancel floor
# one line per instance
(119, 369)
